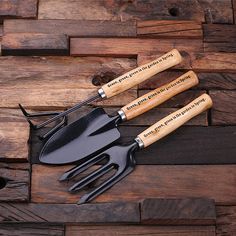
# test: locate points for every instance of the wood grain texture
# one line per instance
(14, 182)
(169, 29)
(18, 9)
(219, 38)
(31, 229)
(149, 181)
(14, 134)
(70, 27)
(66, 80)
(217, 11)
(226, 220)
(140, 230)
(130, 47)
(188, 211)
(186, 146)
(200, 62)
(34, 44)
(119, 212)
(226, 81)
(224, 110)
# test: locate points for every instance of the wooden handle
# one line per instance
(159, 95)
(175, 120)
(142, 73)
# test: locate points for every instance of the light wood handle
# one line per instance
(175, 120)
(159, 95)
(141, 73)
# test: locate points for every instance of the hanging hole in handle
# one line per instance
(3, 183)
(174, 11)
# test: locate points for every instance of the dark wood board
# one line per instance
(14, 182)
(35, 44)
(117, 212)
(146, 181)
(70, 27)
(216, 11)
(188, 211)
(141, 230)
(31, 229)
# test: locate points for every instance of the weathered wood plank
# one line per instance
(169, 29)
(14, 182)
(31, 229)
(209, 81)
(140, 230)
(224, 108)
(219, 38)
(14, 134)
(18, 9)
(147, 181)
(35, 44)
(66, 80)
(119, 212)
(186, 211)
(219, 11)
(200, 62)
(70, 27)
(129, 47)
(226, 220)
(185, 146)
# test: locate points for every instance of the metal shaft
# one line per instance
(74, 108)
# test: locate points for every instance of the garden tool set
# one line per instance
(94, 138)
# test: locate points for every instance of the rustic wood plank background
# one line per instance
(56, 53)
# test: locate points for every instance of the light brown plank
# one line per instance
(14, 135)
(147, 181)
(184, 211)
(224, 108)
(18, 9)
(66, 80)
(70, 27)
(34, 44)
(200, 62)
(220, 11)
(226, 220)
(119, 212)
(169, 29)
(14, 182)
(129, 47)
(219, 38)
(209, 80)
(140, 230)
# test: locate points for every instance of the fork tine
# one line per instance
(91, 177)
(104, 186)
(82, 167)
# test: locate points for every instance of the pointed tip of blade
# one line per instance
(63, 177)
(84, 199)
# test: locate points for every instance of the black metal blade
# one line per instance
(81, 138)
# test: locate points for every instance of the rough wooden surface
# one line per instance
(226, 220)
(197, 161)
(143, 230)
(70, 27)
(70, 213)
(145, 182)
(14, 182)
(31, 229)
(216, 11)
(190, 211)
(18, 9)
(169, 29)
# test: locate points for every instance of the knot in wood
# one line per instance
(103, 78)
